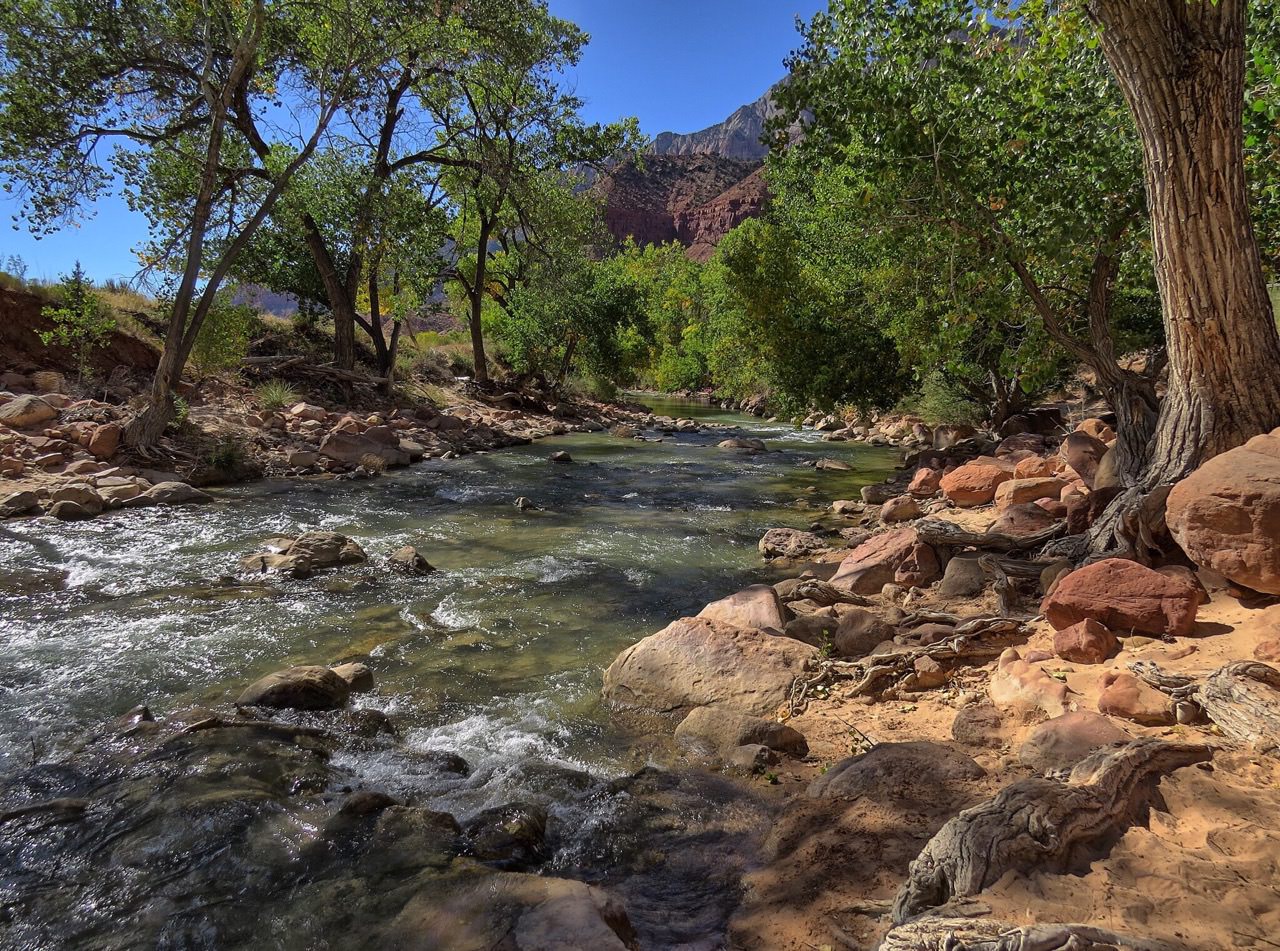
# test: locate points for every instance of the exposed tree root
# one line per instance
(964, 934)
(884, 676)
(1242, 698)
(950, 535)
(826, 594)
(1040, 823)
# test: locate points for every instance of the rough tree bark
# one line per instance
(1180, 65)
(477, 291)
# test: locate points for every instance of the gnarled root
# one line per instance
(1040, 823)
(1242, 698)
(963, 934)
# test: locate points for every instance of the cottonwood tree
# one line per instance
(1013, 147)
(177, 98)
(1181, 67)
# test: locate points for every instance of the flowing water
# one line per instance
(497, 656)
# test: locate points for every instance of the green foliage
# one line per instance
(940, 400)
(181, 410)
(81, 320)
(275, 395)
(223, 340)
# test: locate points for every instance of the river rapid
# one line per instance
(496, 657)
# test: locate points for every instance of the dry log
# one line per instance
(826, 594)
(1003, 587)
(938, 532)
(983, 934)
(1040, 823)
(298, 364)
(1242, 698)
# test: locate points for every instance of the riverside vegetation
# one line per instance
(963, 575)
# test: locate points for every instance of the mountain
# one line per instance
(737, 137)
(692, 187)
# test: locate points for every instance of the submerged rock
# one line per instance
(407, 560)
(306, 554)
(511, 837)
(789, 543)
(298, 688)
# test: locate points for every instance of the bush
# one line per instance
(223, 340)
(82, 322)
(275, 395)
(941, 401)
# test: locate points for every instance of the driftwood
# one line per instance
(1003, 587)
(1242, 698)
(826, 594)
(940, 533)
(1040, 823)
(300, 365)
(884, 676)
(983, 934)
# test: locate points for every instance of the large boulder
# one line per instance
(925, 483)
(1226, 514)
(1023, 519)
(898, 771)
(308, 553)
(357, 449)
(973, 483)
(1087, 642)
(858, 632)
(719, 730)
(1018, 491)
(789, 543)
(1125, 597)
(757, 606)
(875, 562)
(175, 493)
(696, 662)
(105, 440)
(920, 568)
(903, 508)
(1124, 695)
(1064, 741)
(25, 412)
(309, 687)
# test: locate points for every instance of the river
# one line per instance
(497, 656)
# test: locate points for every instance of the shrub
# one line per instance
(941, 401)
(82, 322)
(223, 340)
(275, 395)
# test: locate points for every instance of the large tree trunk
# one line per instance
(341, 303)
(1180, 65)
(477, 306)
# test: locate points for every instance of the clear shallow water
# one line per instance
(497, 656)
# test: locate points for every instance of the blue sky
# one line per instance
(678, 65)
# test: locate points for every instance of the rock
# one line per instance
(355, 449)
(814, 629)
(25, 412)
(175, 493)
(973, 483)
(877, 494)
(716, 729)
(900, 509)
(750, 758)
(1024, 519)
(308, 411)
(980, 725)
(308, 553)
(1034, 467)
(1124, 597)
(513, 836)
(964, 578)
(1083, 453)
(789, 543)
(1087, 642)
(899, 773)
(1226, 514)
(1124, 695)
(1022, 686)
(875, 562)
(1018, 491)
(945, 437)
(297, 688)
(358, 676)
(833, 465)
(19, 503)
(920, 568)
(408, 561)
(757, 606)
(1098, 429)
(301, 458)
(82, 496)
(411, 448)
(560, 456)
(928, 674)
(525, 505)
(1053, 572)
(105, 440)
(847, 507)
(1108, 475)
(858, 631)
(740, 442)
(1062, 742)
(70, 511)
(925, 483)
(1268, 651)
(697, 662)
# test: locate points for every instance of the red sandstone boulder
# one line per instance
(1017, 491)
(903, 508)
(1124, 695)
(1125, 597)
(1097, 429)
(105, 440)
(1087, 642)
(1035, 467)
(875, 562)
(925, 483)
(1025, 519)
(974, 483)
(920, 569)
(1226, 514)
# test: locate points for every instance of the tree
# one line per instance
(1010, 147)
(1181, 67)
(81, 321)
(184, 92)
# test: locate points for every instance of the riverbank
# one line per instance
(929, 664)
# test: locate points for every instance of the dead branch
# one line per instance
(1242, 698)
(984, 934)
(940, 533)
(1041, 823)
